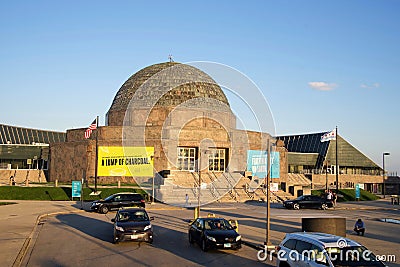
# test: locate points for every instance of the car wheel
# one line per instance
(296, 206)
(204, 245)
(191, 241)
(324, 206)
(104, 209)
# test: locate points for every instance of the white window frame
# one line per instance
(217, 159)
(186, 158)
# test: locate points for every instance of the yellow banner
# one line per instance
(125, 161)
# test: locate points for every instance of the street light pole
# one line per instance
(198, 195)
(383, 181)
(199, 168)
(198, 188)
(337, 165)
(326, 175)
(267, 232)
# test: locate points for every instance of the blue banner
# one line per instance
(357, 191)
(76, 188)
(275, 166)
(257, 163)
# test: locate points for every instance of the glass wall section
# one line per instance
(26, 136)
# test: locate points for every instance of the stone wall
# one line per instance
(165, 130)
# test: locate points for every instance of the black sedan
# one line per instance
(214, 233)
(308, 202)
(132, 224)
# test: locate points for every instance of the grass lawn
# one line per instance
(349, 195)
(56, 193)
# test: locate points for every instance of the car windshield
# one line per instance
(352, 256)
(300, 198)
(218, 224)
(109, 197)
(124, 216)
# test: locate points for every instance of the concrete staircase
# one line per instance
(281, 196)
(220, 185)
(215, 187)
(21, 176)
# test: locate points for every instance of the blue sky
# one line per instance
(62, 62)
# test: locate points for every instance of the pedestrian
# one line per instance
(187, 200)
(359, 227)
(12, 180)
(329, 196)
(334, 198)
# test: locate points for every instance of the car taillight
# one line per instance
(278, 248)
(142, 200)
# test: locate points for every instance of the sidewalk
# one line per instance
(381, 204)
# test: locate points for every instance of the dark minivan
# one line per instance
(117, 201)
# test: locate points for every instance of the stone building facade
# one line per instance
(181, 112)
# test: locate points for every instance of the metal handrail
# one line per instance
(232, 187)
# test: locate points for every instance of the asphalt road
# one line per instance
(85, 239)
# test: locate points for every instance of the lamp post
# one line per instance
(326, 175)
(199, 191)
(267, 193)
(197, 210)
(383, 161)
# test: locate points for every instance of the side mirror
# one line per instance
(152, 218)
(113, 219)
(234, 227)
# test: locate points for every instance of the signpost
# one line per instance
(274, 187)
(77, 190)
(358, 192)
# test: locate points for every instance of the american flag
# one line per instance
(89, 130)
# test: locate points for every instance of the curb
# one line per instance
(25, 247)
(350, 208)
(161, 208)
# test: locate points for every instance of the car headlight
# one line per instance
(147, 227)
(119, 228)
(238, 238)
(211, 238)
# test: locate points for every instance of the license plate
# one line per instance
(227, 245)
(134, 236)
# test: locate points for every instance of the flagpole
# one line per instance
(97, 154)
(337, 165)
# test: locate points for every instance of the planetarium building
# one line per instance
(171, 125)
